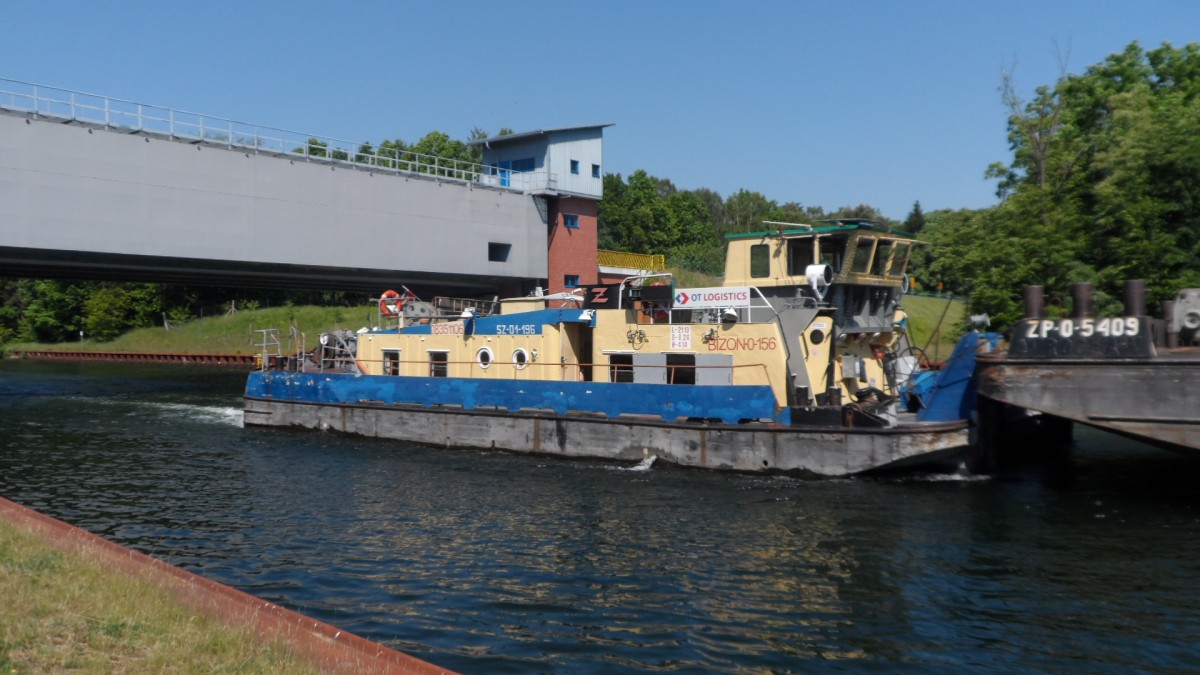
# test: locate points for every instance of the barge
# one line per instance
(1130, 374)
(795, 365)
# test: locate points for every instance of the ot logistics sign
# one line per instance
(711, 298)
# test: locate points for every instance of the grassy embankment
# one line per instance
(236, 334)
(67, 612)
(230, 334)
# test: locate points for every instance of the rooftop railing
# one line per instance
(131, 117)
(634, 261)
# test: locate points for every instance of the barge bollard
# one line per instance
(1082, 295)
(1135, 297)
(1034, 301)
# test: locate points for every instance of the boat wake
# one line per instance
(643, 465)
(202, 413)
(959, 476)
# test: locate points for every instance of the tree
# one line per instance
(915, 222)
(715, 205)
(745, 210)
(1105, 169)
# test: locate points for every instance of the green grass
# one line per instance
(67, 612)
(231, 334)
(689, 279)
(935, 323)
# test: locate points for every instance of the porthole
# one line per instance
(484, 357)
(520, 359)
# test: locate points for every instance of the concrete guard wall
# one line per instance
(72, 187)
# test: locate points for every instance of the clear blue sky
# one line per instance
(823, 103)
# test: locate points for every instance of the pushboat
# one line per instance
(800, 363)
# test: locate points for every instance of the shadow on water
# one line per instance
(494, 562)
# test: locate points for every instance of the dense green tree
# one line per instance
(1105, 175)
(863, 212)
(111, 309)
(714, 203)
(52, 311)
(915, 221)
(745, 210)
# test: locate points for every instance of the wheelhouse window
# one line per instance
(620, 368)
(883, 256)
(439, 364)
(800, 256)
(899, 259)
(862, 255)
(832, 252)
(760, 261)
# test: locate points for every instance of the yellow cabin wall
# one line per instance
(463, 354)
(612, 335)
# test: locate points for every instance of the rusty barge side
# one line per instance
(1133, 375)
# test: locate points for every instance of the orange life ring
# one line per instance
(391, 303)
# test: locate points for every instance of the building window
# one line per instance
(498, 252)
(595, 171)
(575, 167)
(571, 280)
(439, 364)
(571, 221)
(760, 261)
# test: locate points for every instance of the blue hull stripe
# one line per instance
(730, 404)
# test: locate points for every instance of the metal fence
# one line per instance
(633, 261)
(130, 117)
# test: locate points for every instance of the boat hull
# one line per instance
(757, 448)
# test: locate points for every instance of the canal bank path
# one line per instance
(328, 647)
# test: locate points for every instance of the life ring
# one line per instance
(390, 304)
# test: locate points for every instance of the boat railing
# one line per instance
(570, 371)
(270, 347)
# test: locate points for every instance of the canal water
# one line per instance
(486, 562)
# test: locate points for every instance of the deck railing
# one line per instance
(631, 261)
(132, 117)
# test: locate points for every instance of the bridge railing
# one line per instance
(130, 116)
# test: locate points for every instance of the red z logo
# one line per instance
(600, 295)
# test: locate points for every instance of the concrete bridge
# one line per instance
(92, 187)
